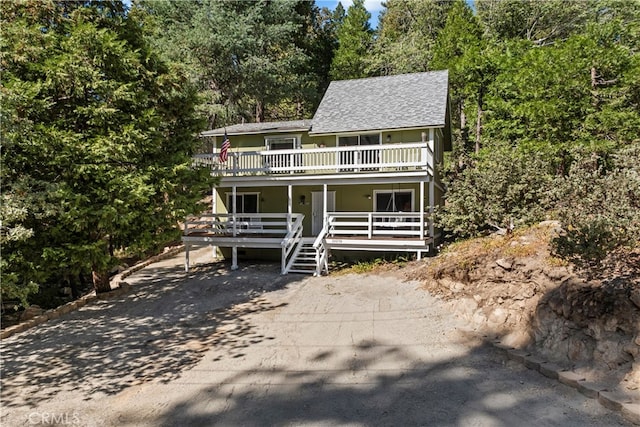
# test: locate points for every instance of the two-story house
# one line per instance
(360, 176)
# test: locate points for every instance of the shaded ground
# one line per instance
(250, 347)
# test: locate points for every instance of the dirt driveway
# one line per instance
(253, 348)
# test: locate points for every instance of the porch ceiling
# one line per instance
(331, 179)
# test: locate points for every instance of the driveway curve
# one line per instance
(253, 348)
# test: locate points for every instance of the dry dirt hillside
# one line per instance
(512, 287)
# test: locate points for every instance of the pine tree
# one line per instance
(251, 60)
(407, 33)
(355, 38)
(98, 134)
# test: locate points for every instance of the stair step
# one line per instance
(302, 271)
(298, 265)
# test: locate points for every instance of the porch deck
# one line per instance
(363, 231)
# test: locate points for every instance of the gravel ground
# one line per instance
(253, 348)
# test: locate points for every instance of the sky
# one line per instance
(373, 6)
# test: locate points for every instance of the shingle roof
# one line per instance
(380, 103)
(260, 128)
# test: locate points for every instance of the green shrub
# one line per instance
(598, 203)
(503, 186)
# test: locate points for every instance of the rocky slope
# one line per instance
(512, 287)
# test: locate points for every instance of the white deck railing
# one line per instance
(372, 225)
(384, 157)
(275, 225)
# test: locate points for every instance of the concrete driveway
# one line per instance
(253, 348)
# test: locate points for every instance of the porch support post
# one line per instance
(234, 258)
(214, 213)
(234, 249)
(289, 206)
(325, 217)
(422, 209)
(432, 178)
(432, 150)
(234, 211)
(432, 202)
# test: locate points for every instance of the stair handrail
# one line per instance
(291, 242)
(321, 250)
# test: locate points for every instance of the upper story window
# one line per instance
(359, 157)
(282, 142)
(282, 163)
(363, 139)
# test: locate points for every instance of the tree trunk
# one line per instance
(100, 280)
(479, 120)
(464, 132)
(259, 112)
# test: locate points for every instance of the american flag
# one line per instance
(224, 149)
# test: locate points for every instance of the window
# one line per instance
(393, 201)
(359, 157)
(282, 162)
(281, 143)
(245, 202)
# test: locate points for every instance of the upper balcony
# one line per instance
(383, 158)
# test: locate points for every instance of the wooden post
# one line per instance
(234, 211)
(186, 258)
(422, 209)
(324, 205)
(289, 206)
(214, 211)
(432, 186)
(234, 258)
(234, 249)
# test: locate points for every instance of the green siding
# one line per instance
(257, 142)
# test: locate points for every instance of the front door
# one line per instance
(317, 209)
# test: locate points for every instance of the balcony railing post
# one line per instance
(234, 161)
(424, 159)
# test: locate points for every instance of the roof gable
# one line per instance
(383, 103)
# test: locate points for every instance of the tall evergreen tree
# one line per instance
(355, 38)
(98, 134)
(250, 59)
(541, 22)
(458, 48)
(407, 33)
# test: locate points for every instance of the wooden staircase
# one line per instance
(304, 260)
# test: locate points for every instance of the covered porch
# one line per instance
(313, 226)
